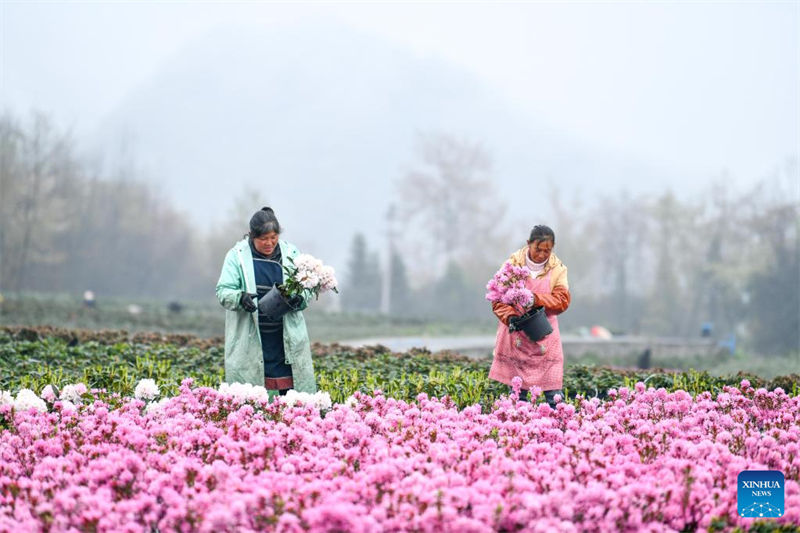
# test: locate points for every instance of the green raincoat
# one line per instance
(244, 362)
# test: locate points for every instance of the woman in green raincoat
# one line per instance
(260, 350)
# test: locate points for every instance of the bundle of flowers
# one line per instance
(307, 276)
(647, 460)
(508, 286)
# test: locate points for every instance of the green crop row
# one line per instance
(340, 371)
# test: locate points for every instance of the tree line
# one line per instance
(67, 227)
(725, 261)
(658, 264)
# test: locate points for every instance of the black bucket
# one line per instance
(534, 324)
(273, 305)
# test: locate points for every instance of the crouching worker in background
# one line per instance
(273, 352)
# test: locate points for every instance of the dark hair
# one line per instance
(542, 233)
(262, 222)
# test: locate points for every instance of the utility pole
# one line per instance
(386, 289)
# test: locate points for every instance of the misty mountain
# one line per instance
(324, 119)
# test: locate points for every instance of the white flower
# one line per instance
(73, 393)
(350, 402)
(291, 397)
(146, 389)
(154, 408)
(48, 394)
(67, 405)
(307, 262)
(313, 275)
(244, 391)
(328, 278)
(321, 400)
(6, 398)
(304, 262)
(27, 399)
(309, 280)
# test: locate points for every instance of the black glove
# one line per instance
(295, 301)
(246, 301)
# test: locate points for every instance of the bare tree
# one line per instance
(619, 235)
(675, 251)
(39, 175)
(451, 198)
(62, 231)
(10, 185)
(772, 290)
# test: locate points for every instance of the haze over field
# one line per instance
(629, 128)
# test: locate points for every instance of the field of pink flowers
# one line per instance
(215, 460)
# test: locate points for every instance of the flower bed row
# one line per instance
(231, 459)
(339, 370)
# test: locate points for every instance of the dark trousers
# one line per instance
(549, 396)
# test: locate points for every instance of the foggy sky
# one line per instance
(675, 93)
(716, 83)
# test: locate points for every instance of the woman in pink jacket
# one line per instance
(541, 363)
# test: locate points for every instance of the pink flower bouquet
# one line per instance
(508, 287)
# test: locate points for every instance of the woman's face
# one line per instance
(265, 244)
(539, 251)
